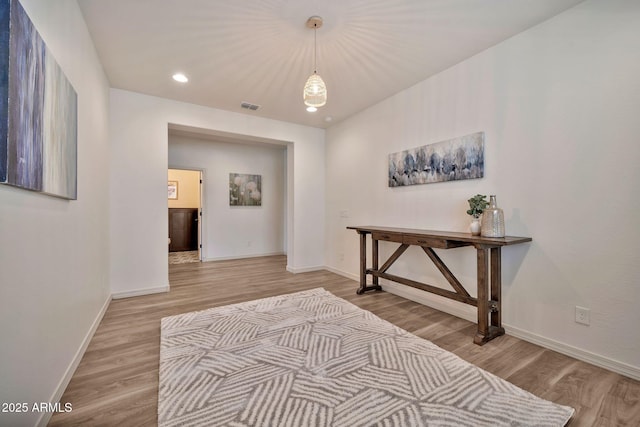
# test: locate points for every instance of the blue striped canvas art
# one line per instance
(38, 105)
(450, 160)
(4, 86)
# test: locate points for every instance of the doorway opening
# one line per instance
(238, 232)
(185, 215)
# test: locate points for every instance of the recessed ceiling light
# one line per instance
(328, 119)
(312, 109)
(179, 77)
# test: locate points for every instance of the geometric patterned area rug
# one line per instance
(313, 359)
(183, 257)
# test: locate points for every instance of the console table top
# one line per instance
(448, 235)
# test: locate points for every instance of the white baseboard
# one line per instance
(576, 353)
(417, 295)
(454, 308)
(343, 273)
(64, 382)
(228, 258)
(295, 270)
(469, 313)
(140, 292)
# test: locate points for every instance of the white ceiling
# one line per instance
(261, 52)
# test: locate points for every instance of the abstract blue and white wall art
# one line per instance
(38, 111)
(450, 160)
(245, 190)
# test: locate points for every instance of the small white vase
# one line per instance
(475, 226)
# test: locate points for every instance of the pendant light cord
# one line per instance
(315, 48)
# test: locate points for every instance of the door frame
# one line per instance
(201, 225)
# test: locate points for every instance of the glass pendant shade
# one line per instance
(315, 91)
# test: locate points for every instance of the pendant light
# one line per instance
(315, 91)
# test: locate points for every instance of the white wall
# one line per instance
(54, 278)
(236, 231)
(559, 104)
(139, 159)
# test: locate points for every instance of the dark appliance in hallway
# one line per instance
(183, 229)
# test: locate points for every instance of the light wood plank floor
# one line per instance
(116, 382)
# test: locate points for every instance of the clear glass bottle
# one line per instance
(492, 220)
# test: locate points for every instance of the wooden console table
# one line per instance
(488, 254)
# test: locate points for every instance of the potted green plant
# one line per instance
(477, 204)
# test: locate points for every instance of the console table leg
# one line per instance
(496, 291)
(482, 297)
(374, 261)
(363, 264)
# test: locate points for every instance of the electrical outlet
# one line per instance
(583, 315)
(344, 214)
(341, 256)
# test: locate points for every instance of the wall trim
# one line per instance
(297, 270)
(140, 292)
(228, 258)
(71, 369)
(451, 307)
(343, 273)
(575, 352)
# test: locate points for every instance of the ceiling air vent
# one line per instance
(249, 106)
